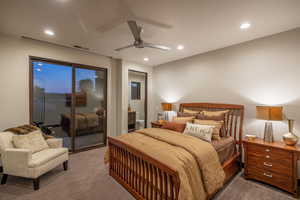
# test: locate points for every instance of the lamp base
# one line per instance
(290, 138)
(268, 135)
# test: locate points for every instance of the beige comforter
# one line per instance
(196, 161)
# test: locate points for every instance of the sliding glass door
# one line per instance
(90, 108)
(69, 102)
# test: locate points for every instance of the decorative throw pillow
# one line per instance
(203, 132)
(182, 114)
(216, 116)
(33, 141)
(183, 120)
(213, 115)
(191, 111)
(174, 126)
(217, 127)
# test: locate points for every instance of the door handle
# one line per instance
(268, 175)
(267, 164)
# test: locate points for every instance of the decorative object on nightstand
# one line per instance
(269, 113)
(250, 137)
(290, 138)
(273, 163)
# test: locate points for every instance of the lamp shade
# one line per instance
(269, 113)
(166, 106)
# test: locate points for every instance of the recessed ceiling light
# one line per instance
(49, 32)
(180, 47)
(245, 25)
(146, 59)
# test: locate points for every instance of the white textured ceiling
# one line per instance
(199, 25)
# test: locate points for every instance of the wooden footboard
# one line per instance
(143, 176)
(232, 167)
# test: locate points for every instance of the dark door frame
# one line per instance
(146, 93)
(73, 66)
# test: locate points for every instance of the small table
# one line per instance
(156, 124)
(274, 163)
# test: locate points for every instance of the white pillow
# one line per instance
(33, 141)
(203, 132)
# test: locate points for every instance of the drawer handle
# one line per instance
(268, 175)
(267, 150)
(267, 156)
(267, 164)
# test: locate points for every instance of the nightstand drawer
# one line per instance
(277, 166)
(269, 152)
(279, 180)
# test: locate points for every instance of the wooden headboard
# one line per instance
(233, 121)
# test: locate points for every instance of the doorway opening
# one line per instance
(137, 100)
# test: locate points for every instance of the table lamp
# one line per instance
(269, 113)
(168, 112)
(166, 106)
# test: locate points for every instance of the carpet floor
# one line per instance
(88, 179)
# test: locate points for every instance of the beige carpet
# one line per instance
(88, 179)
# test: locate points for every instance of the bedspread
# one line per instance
(196, 161)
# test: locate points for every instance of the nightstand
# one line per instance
(156, 124)
(273, 163)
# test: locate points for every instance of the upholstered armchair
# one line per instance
(25, 163)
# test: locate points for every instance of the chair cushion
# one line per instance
(44, 156)
(33, 141)
(6, 141)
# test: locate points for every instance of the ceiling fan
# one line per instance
(138, 42)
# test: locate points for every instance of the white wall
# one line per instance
(263, 71)
(14, 77)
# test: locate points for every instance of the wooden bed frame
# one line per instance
(147, 178)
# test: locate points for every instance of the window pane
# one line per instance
(52, 84)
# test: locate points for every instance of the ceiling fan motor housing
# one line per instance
(139, 44)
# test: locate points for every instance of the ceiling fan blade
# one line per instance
(157, 46)
(135, 29)
(126, 47)
(153, 23)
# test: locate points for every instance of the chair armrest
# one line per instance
(16, 158)
(55, 142)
